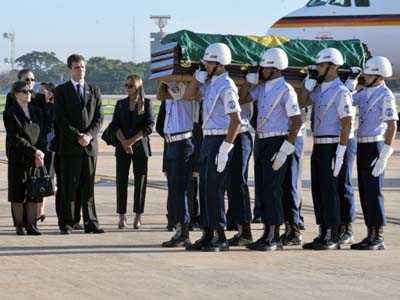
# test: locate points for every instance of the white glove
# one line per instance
(380, 162)
(352, 81)
(222, 157)
(280, 157)
(252, 78)
(309, 83)
(337, 161)
(201, 76)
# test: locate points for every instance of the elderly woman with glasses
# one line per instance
(132, 124)
(25, 146)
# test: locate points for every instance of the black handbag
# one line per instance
(109, 136)
(39, 184)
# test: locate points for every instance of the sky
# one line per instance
(105, 28)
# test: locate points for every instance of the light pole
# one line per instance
(11, 37)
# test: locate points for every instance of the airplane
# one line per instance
(375, 22)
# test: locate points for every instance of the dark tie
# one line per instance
(79, 92)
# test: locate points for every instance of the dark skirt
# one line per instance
(17, 177)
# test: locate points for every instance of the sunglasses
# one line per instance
(129, 85)
(30, 79)
(26, 92)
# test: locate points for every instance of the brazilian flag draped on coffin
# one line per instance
(180, 53)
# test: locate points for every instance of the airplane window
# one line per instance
(340, 2)
(317, 3)
(362, 3)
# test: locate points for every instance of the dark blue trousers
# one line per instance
(212, 184)
(291, 193)
(271, 189)
(179, 160)
(257, 210)
(370, 187)
(324, 185)
(346, 191)
(237, 188)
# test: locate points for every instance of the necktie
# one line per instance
(79, 92)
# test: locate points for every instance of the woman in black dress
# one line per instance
(132, 123)
(25, 145)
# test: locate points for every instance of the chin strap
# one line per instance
(373, 82)
(270, 75)
(321, 79)
(213, 71)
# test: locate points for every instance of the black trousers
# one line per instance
(139, 162)
(77, 187)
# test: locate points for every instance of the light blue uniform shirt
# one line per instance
(330, 124)
(245, 115)
(178, 116)
(223, 90)
(373, 123)
(266, 94)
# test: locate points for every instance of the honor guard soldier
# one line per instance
(221, 124)
(333, 113)
(178, 126)
(278, 123)
(377, 118)
(237, 188)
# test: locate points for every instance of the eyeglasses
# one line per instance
(26, 92)
(129, 85)
(30, 79)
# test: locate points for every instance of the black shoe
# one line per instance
(33, 230)
(346, 234)
(181, 241)
(292, 235)
(231, 227)
(302, 226)
(77, 226)
(243, 237)
(65, 230)
(41, 218)
(94, 229)
(331, 240)
(216, 246)
(374, 240)
(267, 245)
(319, 239)
(205, 240)
(193, 226)
(240, 240)
(256, 220)
(20, 230)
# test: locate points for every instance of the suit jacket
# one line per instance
(72, 118)
(130, 125)
(24, 135)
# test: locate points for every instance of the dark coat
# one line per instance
(72, 118)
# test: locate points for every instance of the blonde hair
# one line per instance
(137, 80)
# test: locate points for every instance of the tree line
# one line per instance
(108, 74)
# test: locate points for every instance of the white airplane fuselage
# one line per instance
(376, 25)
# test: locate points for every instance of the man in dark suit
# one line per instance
(78, 116)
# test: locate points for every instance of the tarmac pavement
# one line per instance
(131, 264)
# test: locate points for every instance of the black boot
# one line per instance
(269, 241)
(346, 234)
(206, 239)
(20, 230)
(219, 243)
(319, 239)
(180, 239)
(374, 240)
(331, 239)
(292, 235)
(243, 237)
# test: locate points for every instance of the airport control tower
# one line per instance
(156, 37)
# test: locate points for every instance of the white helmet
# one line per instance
(274, 58)
(331, 55)
(218, 52)
(378, 65)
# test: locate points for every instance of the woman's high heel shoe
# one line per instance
(137, 222)
(41, 218)
(122, 221)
